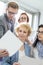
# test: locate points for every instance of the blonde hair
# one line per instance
(25, 26)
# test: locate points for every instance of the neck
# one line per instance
(22, 48)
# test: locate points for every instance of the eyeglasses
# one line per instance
(11, 12)
(22, 17)
(40, 32)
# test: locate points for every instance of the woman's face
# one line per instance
(22, 34)
(40, 34)
(23, 18)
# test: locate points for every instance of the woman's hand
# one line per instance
(28, 41)
(3, 53)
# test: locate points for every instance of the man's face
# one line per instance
(11, 12)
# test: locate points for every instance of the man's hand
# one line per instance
(3, 53)
(16, 63)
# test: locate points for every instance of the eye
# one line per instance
(20, 30)
(40, 32)
(24, 31)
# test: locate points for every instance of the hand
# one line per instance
(28, 41)
(3, 53)
(16, 63)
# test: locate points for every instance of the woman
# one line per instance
(23, 18)
(38, 44)
(23, 31)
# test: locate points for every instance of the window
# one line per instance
(2, 7)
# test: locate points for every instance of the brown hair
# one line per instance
(26, 15)
(13, 5)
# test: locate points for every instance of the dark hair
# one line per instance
(35, 42)
(13, 5)
(26, 15)
(40, 26)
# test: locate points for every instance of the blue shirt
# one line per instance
(27, 49)
(0, 58)
(40, 49)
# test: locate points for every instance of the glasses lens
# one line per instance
(9, 12)
(23, 17)
(40, 32)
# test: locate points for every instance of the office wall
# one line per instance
(41, 18)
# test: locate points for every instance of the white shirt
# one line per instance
(21, 54)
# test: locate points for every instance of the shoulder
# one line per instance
(1, 19)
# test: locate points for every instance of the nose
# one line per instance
(12, 15)
(22, 33)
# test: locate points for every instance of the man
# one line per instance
(8, 19)
(7, 23)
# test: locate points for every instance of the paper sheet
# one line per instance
(10, 42)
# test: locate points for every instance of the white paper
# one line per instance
(10, 42)
(30, 61)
